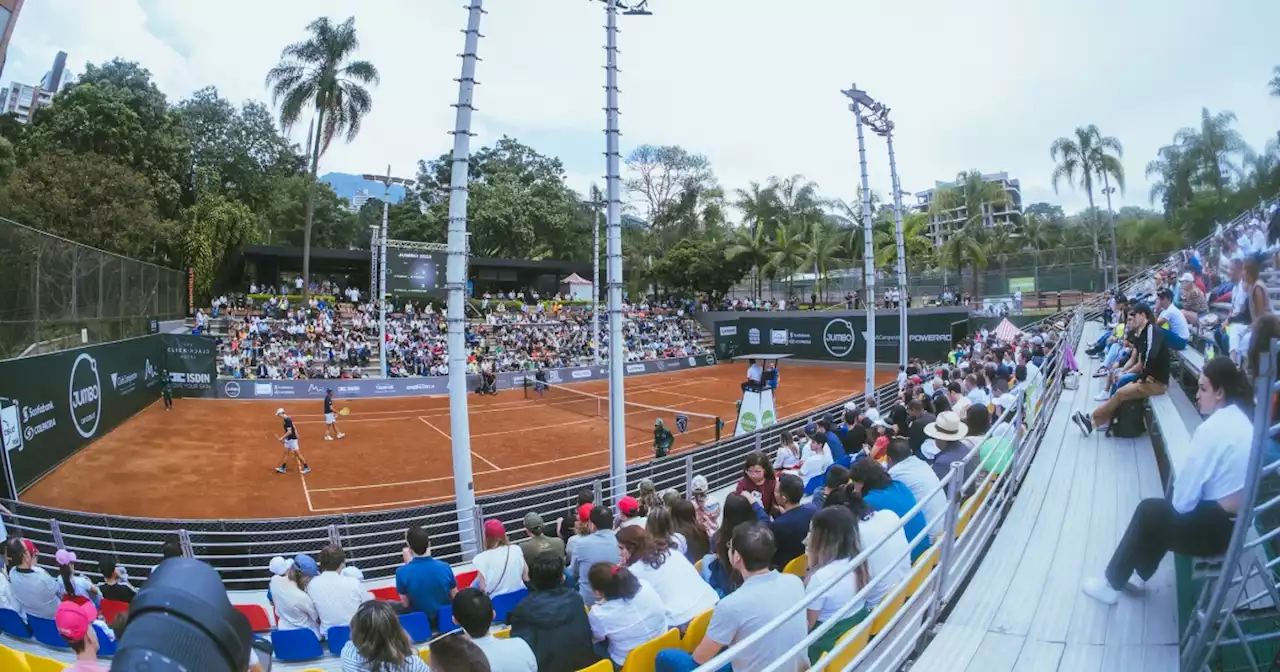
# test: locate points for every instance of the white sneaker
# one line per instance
(1137, 584)
(328, 438)
(1100, 590)
(1101, 396)
(340, 435)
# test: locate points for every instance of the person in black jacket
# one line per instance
(1153, 380)
(552, 620)
(920, 418)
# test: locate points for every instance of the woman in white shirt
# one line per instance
(682, 591)
(500, 567)
(628, 612)
(662, 529)
(831, 548)
(891, 562)
(1199, 517)
(295, 610)
(788, 454)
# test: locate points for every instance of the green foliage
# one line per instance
(211, 230)
(696, 266)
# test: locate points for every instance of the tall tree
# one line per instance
(659, 173)
(318, 73)
(1083, 159)
(1274, 84)
(1215, 148)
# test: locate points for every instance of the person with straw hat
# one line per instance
(948, 432)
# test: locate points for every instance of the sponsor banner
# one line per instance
(53, 405)
(836, 336)
(407, 387)
(191, 363)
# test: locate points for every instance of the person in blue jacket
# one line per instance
(872, 481)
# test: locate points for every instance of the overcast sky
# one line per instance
(754, 85)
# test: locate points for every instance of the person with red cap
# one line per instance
(34, 591)
(632, 512)
(501, 568)
(75, 624)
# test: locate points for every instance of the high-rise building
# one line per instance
(9, 10)
(942, 223)
(361, 197)
(22, 100)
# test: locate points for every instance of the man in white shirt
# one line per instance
(755, 373)
(473, 610)
(336, 596)
(920, 480)
(1179, 332)
(629, 507)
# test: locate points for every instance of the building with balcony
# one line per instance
(22, 100)
(941, 224)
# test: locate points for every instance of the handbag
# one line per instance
(1071, 381)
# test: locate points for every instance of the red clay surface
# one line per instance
(213, 458)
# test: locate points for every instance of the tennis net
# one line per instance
(698, 427)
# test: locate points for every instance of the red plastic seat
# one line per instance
(465, 579)
(387, 593)
(258, 621)
(112, 608)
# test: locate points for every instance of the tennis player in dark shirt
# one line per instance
(290, 440)
(330, 418)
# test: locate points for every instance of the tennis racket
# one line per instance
(344, 411)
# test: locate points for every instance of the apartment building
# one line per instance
(942, 223)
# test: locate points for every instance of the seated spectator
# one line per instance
(539, 543)
(1191, 299)
(570, 518)
(337, 597)
(763, 594)
(74, 621)
(717, 569)
(684, 519)
(815, 458)
(631, 511)
(792, 525)
(295, 610)
(833, 545)
(455, 653)
(1177, 331)
(1198, 518)
(921, 480)
(599, 546)
(707, 510)
(473, 610)
(757, 477)
(424, 583)
(169, 549)
(873, 482)
(948, 434)
(788, 456)
(626, 613)
(682, 591)
(890, 563)
(661, 528)
(115, 580)
(1153, 380)
(75, 586)
(500, 566)
(35, 592)
(825, 436)
(378, 643)
(552, 620)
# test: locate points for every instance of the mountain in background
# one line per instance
(346, 185)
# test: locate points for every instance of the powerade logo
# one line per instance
(838, 337)
(929, 338)
(84, 391)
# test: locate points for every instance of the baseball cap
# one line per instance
(1186, 277)
(628, 505)
(278, 565)
(279, 411)
(64, 557)
(74, 620)
(532, 520)
(306, 564)
(353, 572)
(699, 484)
(494, 528)
(646, 485)
(584, 512)
(30, 547)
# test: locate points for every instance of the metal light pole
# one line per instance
(902, 255)
(1115, 264)
(613, 196)
(456, 281)
(374, 242)
(595, 285)
(386, 181)
(867, 252)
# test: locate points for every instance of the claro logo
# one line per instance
(838, 337)
(84, 391)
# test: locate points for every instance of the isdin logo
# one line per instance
(84, 391)
(838, 337)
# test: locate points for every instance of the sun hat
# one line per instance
(1186, 277)
(74, 620)
(279, 411)
(628, 505)
(947, 427)
(279, 565)
(494, 528)
(699, 484)
(1005, 401)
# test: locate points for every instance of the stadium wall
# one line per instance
(837, 335)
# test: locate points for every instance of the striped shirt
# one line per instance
(352, 661)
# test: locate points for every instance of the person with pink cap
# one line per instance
(75, 586)
(75, 624)
(34, 591)
(501, 568)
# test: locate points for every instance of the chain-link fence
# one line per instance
(55, 293)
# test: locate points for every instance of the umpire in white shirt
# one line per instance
(337, 597)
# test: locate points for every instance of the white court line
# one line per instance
(446, 435)
(306, 492)
(409, 416)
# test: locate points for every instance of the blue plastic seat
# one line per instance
(46, 632)
(417, 625)
(504, 603)
(106, 645)
(299, 644)
(444, 620)
(337, 638)
(12, 624)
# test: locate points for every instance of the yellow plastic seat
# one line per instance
(641, 658)
(41, 664)
(696, 631)
(13, 660)
(504, 633)
(605, 665)
(799, 566)
(698, 565)
(921, 571)
(860, 636)
(425, 654)
(895, 601)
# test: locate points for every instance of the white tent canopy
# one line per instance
(577, 287)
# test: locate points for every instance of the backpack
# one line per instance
(1130, 420)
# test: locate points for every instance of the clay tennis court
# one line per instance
(213, 458)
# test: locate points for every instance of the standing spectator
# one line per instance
(601, 545)
(378, 642)
(626, 613)
(758, 477)
(336, 597)
(870, 480)
(632, 512)
(552, 620)
(35, 592)
(473, 610)
(920, 479)
(424, 583)
(115, 580)
(75, 623)
(539, 543)
(75, 586)
(791, 527)
(920, 418)
(501, 566)
(295, 610)
(683, 592)
(763, 594)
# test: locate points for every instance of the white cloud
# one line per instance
(753, 85)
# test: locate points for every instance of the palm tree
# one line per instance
(317, 73)
(823, 250)
(1035, 237)
(1274, 84)
(1001, 241)
(964, 248)
(786, 253)
(1212, 147)
(754, 243)
(759, 206)
(1087, 157)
